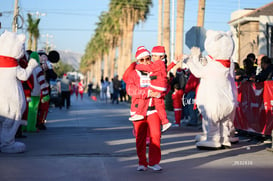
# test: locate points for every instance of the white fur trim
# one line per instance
(159, 88)
(177, 109)
(143, 54)
(174, 61)
(156, 53)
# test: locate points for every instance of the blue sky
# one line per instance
(70, 24)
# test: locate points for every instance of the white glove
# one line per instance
(195, 52)
(32, 63)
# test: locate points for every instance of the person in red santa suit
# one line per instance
(81, 88)
(177, 104)
(159, 83)
(137, 86)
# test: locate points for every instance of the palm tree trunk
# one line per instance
(120, 59)
(106, 65)
(166, 27)
(159, 38)
(179, 30)
(129, 46)
(112, 53)
(201, 13)
(34, 44)
(29, 44)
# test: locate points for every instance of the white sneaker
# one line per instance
(136, 117)
(155, 167)
(165, 127)
(141, 168)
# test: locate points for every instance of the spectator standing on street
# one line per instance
(190, 94)
(104, 88)
(90, 86)
(116, 87)
(111, 89)
(65, 86)
(122, 91)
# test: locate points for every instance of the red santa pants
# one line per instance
(152, 124)
(42, 112)
(159, 106)
(177, 116)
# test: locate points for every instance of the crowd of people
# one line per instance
(114, 90)
(256, 69)
(37, 90)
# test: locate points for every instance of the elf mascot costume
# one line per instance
(13, 101)
(216, 95)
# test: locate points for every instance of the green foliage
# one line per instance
(60, 68)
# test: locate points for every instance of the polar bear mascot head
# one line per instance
(13, 103)
(12, 45)
(219, 45)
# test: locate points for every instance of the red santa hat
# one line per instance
(158, 50)
(179, 71)
(142, 52)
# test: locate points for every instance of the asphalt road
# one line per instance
(93, 141)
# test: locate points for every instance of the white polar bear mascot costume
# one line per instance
(12, 95)
(216, 95)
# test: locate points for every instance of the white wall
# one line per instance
(262, 35)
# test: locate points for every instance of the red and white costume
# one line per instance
(177, 105)
(159, 83)
(137, 84)
(81, 89)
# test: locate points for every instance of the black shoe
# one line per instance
(20, 136)
(41, 127)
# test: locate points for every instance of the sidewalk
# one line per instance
(93, 141)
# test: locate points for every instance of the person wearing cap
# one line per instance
(137, 86)
(159, 83)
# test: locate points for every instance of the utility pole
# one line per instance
(201, 13)
(15, 14)
(160, 22)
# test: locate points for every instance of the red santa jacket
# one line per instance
(177, 99)
(137, 86)
(192, 84)
(159, 81)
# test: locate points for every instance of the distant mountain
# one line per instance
(70, 58)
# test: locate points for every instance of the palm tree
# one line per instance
(33, 31)
(166, 26)
(130, 12)
(109, 35)
(36, 34)
(179, 29)
(30, 31)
